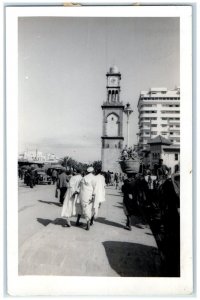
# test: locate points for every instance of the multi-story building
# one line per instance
(159, 114)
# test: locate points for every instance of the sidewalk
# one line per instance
(106, 250)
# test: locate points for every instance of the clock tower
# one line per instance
(112, 137)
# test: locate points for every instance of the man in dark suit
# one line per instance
(62, 184)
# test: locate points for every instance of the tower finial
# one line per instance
(114, 70)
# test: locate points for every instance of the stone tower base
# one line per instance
(110, 158)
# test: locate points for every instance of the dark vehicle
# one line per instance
(42, 178)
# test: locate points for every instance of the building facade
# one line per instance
(112, 137)
(161, 148)
(159, 114)
(35, 155)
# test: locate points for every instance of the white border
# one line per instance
(55, 285)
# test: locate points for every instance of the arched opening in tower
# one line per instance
(112, 125)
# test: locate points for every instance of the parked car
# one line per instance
(43, 178)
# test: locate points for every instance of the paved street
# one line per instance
(47, 248)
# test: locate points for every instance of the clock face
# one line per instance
(113, 81)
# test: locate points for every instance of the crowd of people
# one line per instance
(29, 175)
(81, 194)
(114, 179)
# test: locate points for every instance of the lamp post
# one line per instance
(128, 111)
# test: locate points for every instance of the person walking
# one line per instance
(54, 176)
(130, 191)
(116, 179)
(108, 178)
(99, 194)
(22, 174)
(112, 179)
(87, 195)
(71, 206)
(162, 171)
(32, 177)
(62, 184)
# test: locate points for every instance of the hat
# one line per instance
(90, 169)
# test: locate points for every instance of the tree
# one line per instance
(70, 163)
(97, 164)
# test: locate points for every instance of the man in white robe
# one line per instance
(99, 194)
(87, 195)
(71, 206)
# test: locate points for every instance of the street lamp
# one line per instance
(128, 111)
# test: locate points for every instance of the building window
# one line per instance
(176, 156)
(170, 111)
(148, 105)
(149, 112)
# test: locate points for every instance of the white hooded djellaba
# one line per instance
(87, 190)
(100, 194)
(71, 205)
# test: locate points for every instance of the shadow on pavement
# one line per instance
(44, 222)
(57, 221)
(50, 202)
(118, 206)
(133, 260)
(107, 222)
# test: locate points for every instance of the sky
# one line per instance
(62, 76)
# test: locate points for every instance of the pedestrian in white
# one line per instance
(99, 194)
(71, 205)
(87, 196)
